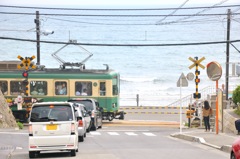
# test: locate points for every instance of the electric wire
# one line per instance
(123, 45)
(120, 15)
(117, 9)
(196, 14)
(174, 11)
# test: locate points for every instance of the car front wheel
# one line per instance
(233, 156)
(80, 138)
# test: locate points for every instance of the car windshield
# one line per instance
(87, 103)
(46, 113)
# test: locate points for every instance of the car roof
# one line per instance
(78, 104)
(81, 99)
(54, 103)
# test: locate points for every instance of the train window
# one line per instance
(102, 88)
(4, 87)
(38, 88)
(115, 87)
(60, 88)
(16, 87)
(83, 88)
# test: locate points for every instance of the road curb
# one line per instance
(224, 148)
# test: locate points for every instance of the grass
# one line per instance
(237, 112)
(20, 125)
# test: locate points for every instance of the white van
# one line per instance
(53, 126)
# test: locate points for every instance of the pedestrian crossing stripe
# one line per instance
(95, 133)
(113, 133)
(149, 134)
(131, 133)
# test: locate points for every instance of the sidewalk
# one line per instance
(6, 148)
(221, 141)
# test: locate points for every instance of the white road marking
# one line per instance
(131, 133)
(149, 134)
(113, 133)
(14, 133)
(95, 133)
(126, 130)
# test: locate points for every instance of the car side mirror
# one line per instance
(75, 109)
(89, 112)
(79, 118)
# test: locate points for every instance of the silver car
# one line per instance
(84, 121)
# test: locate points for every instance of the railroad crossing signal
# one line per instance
(196, 63)
(26, 62)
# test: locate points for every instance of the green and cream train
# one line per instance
(53, 84)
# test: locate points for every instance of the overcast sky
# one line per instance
(109, 2)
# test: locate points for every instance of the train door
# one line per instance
(102, 94)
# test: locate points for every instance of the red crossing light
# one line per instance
(25, 74)
(197, 80)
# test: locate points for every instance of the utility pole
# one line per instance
(37, 21)
(227, 50)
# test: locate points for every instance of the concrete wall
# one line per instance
(229, 121)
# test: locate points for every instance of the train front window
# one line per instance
(83, 88)
(4, 87)
(38, 88)
(115, 86)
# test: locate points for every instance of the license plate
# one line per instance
(52, 127)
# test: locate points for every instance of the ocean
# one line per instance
(151, 72)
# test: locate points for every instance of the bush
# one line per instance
(20, 125)
(236, 95)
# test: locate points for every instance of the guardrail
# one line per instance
(189, 99)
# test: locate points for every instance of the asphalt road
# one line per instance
(125, 142)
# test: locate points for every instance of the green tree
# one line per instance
(236, 95)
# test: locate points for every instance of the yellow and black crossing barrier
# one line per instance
(154, 113)
(149, 107)
(152, 109)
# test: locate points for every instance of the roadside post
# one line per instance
(214, 72)
(182, 82)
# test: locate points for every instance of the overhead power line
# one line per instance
(123, 45)
(117, 9)
(120, 15)
(196, 14)
(174, 11)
